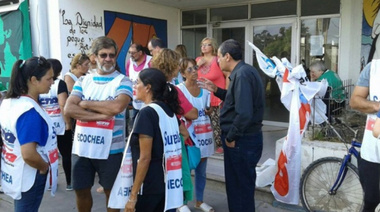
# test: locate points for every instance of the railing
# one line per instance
(334, 108)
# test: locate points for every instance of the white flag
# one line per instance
(296, 97)
(265, 63)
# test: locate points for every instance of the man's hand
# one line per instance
(230, 144)
(207, 84)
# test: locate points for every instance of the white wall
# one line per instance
(49, 33)
(350, 39)
(53, 36)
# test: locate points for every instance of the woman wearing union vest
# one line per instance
(156, 146)
(30, 146)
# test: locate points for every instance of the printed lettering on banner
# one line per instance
(93, 139)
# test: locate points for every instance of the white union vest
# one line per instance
(370, 149)
(173, 158)
(16, 175)
(202, 133)
(50, 104)
(93, 139)
(137, 104)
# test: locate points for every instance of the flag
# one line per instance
(296, 96)
(265, 63)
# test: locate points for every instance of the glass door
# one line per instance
(225, 31)
(274, 39)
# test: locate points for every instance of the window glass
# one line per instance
(194, 17)
(319, 7)
(273, 40)
(320, 40)
(229, 13)
(191, 38)
(273, 9)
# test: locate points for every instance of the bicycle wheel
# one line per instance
(317, 180)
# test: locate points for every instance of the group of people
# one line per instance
(83, 118)
(218, 98)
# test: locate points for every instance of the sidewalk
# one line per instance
(64, 201)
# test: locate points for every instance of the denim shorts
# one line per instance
(84, 169)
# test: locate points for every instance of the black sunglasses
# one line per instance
(104, 55)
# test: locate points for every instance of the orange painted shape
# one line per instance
(142, 33)
(281, 181)
(119, 32)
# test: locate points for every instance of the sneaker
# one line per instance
(69, 188)
(219, 150)
(49, 189)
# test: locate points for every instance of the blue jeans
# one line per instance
(240, 171)
(200, 179)
(31, 200)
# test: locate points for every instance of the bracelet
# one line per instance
(133, 201)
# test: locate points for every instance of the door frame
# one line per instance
(248, 25)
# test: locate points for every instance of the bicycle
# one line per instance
(332, 183)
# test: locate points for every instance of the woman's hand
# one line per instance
(209, 110)
(130, 206)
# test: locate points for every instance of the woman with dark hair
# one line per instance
(167, 61)
(30, 145)
(53, 103)
(156, 146)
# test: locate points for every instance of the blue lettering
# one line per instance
(201, 113)
(47, 101)
(6, 177)
(171, 139)
(92, 139)
(57, 125)
(205, 142)
(124, 191)
(375, 98)
(175, 183)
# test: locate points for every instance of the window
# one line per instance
(229, 13)
(320, 40)
(191, 38)
(194, 17)
(313, 7)
(273, 9)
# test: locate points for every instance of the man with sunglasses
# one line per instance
(98, 102)
(138, 61)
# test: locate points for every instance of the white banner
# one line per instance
(296, 95)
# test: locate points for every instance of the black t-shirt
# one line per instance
(62, 87)
(147, 123)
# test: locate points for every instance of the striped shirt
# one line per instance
(125, 87)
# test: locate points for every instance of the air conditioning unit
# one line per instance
(8, 2)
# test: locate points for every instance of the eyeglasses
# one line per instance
(105, 55)
(193, 68)
(206, 44)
